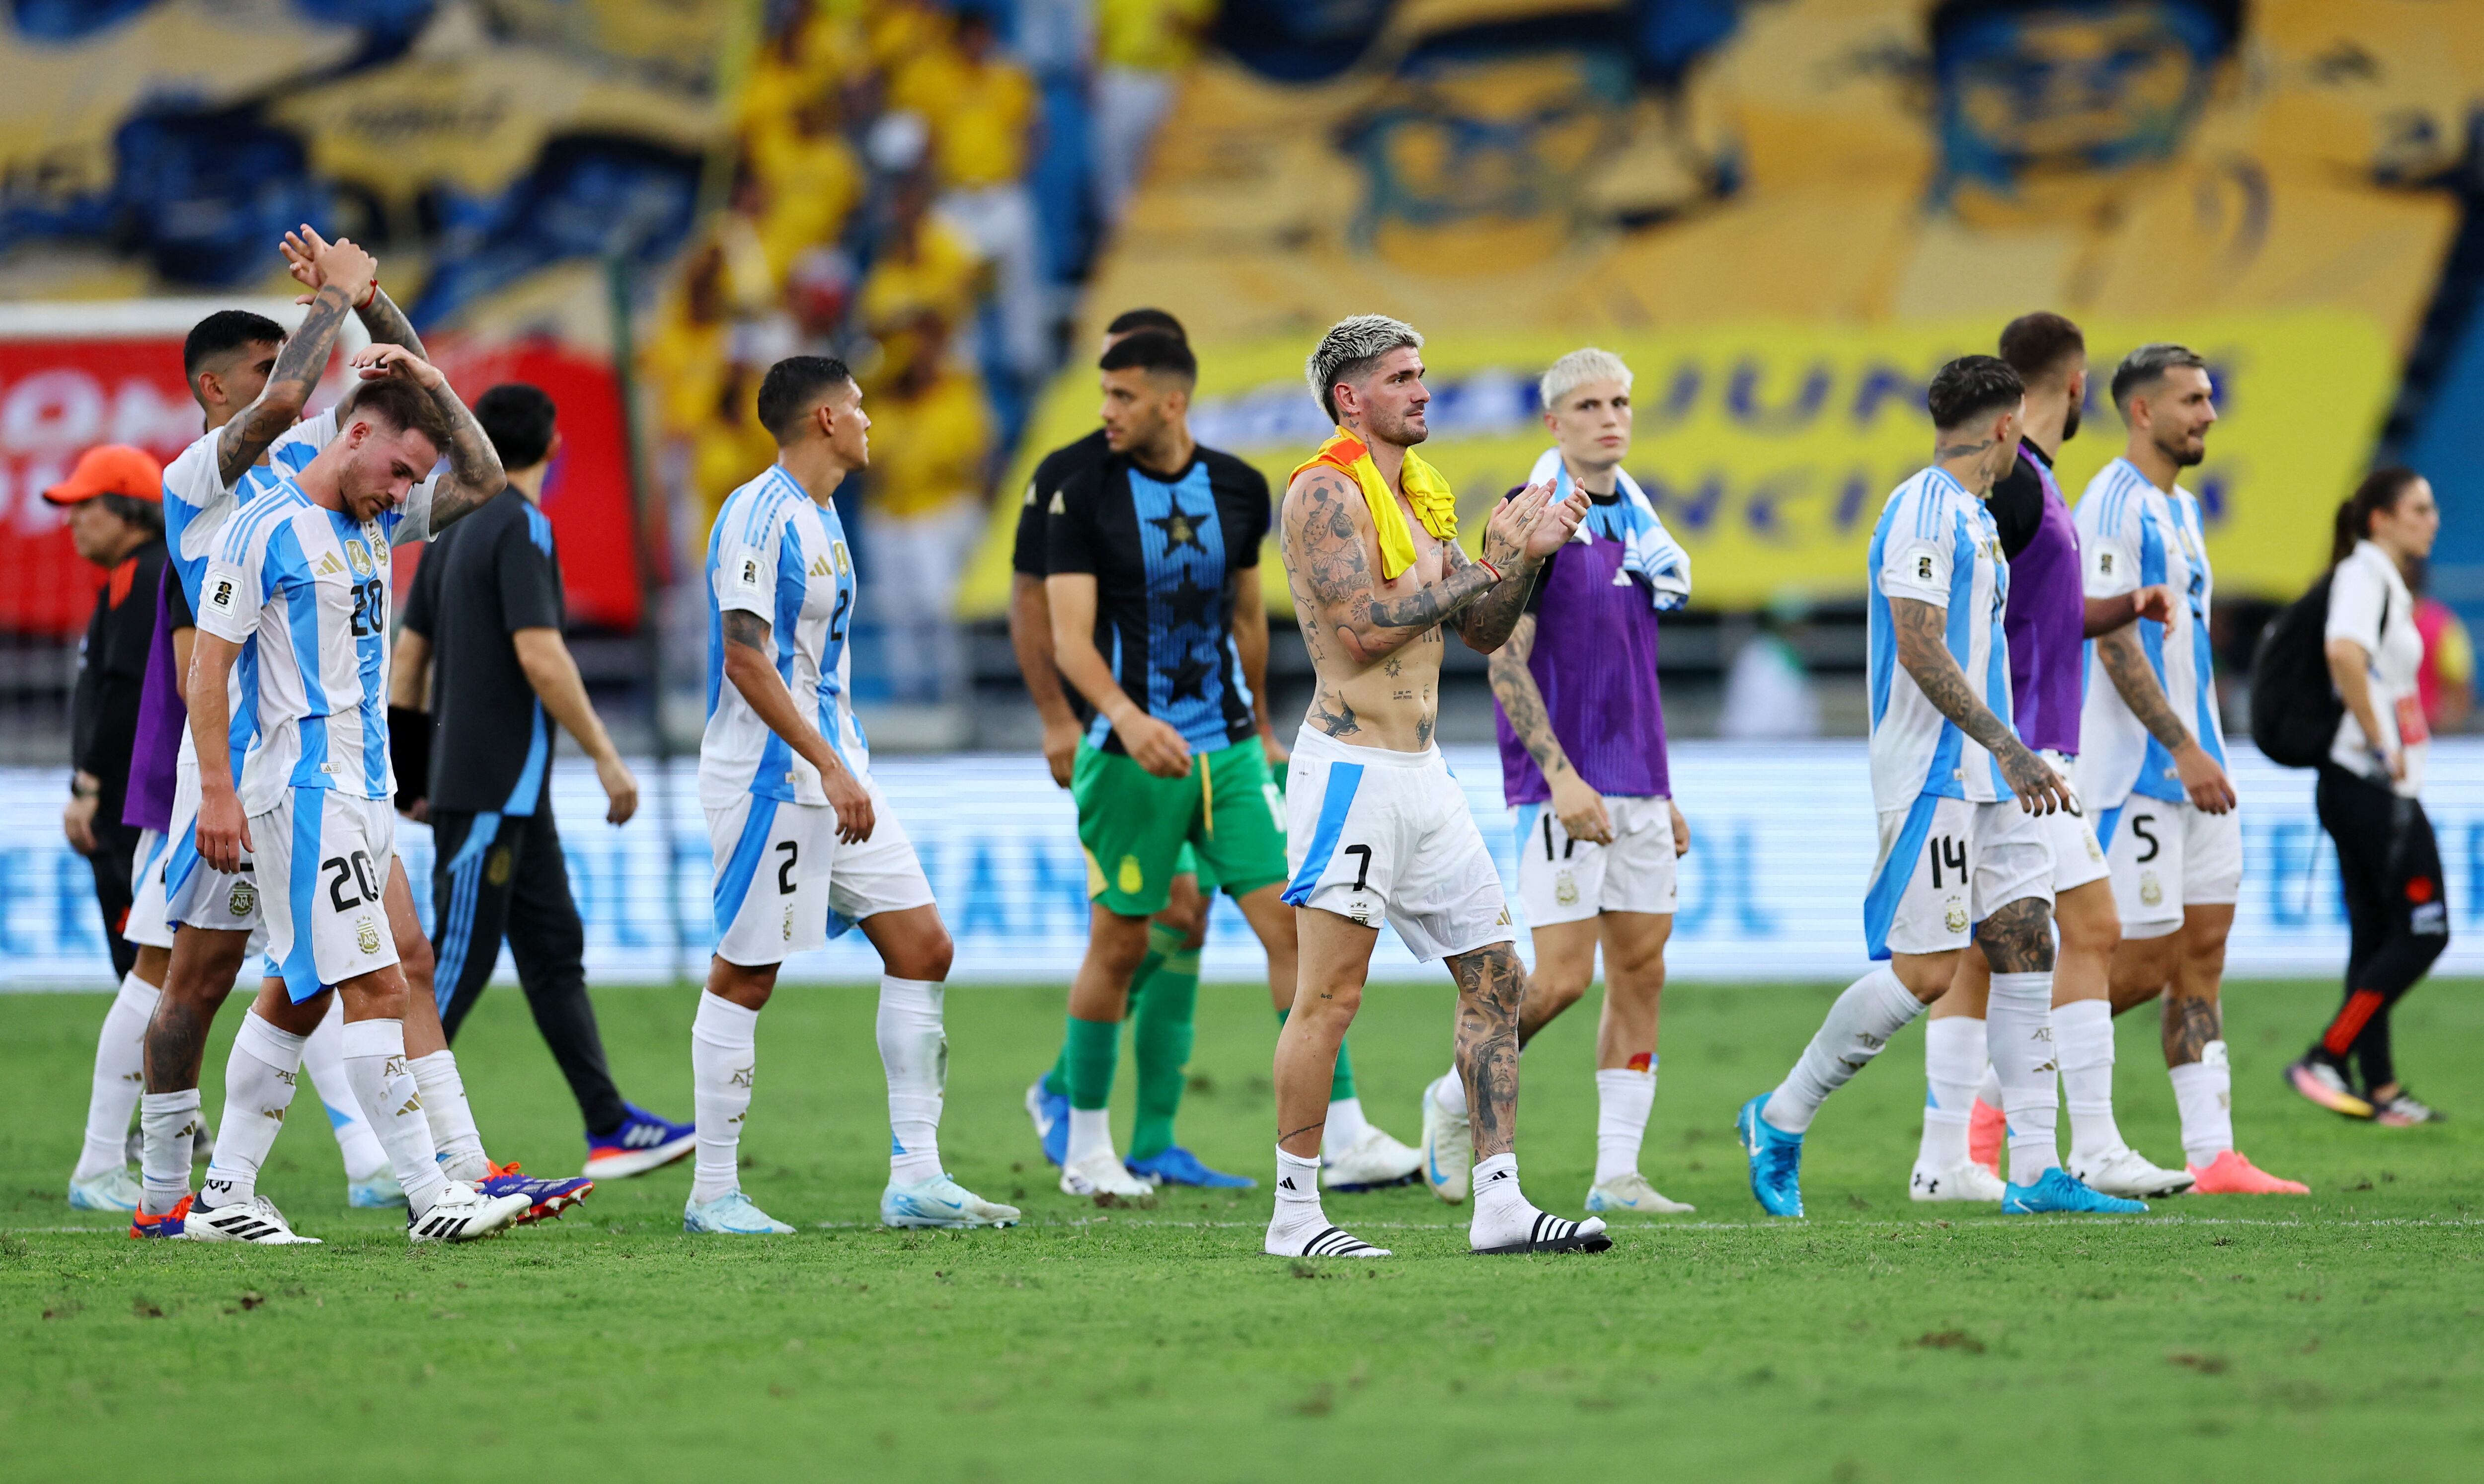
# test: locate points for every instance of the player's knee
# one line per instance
(925, 958)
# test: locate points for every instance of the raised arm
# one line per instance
(1538, 526)
(1151, 742)
(1923, 650)
(1330, 572)
(2125, 664)
(346, 272)
(748, 670)
(382, 321)
(474, 475)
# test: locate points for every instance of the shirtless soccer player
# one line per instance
(1583, 769)
(1377, 826)
(2153, 768)
(801, 835)
(2047, 622)
(297, 594)
(1962, 857)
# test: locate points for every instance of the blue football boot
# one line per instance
(1776, 1160)
(2056, 1191)
(642, 1142)
(1178, 1166)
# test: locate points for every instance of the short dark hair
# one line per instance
(518, 419)
(148, 515)
(1132, 321)
(223, 332)
(792, 387)
(404, 406)
(2039, 345)
(1154, 353)
(2381, 489)
(2146, 366)
(1971, 386)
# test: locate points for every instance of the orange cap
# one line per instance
(112, 468)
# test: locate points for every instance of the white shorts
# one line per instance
(1947, 865)
(1373, 833)
(149, 924)
(2166, 857)
(881, 875)
(324, 858)
(1566, 881)
(196, 894)
(2077, 857)
(784, 884)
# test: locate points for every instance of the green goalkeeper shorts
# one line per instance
(1225, 823)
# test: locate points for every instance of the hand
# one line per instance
(1155, 745)
(2040, 788)
(2397, 764)
(1557, 523)
(2156, 603)
(2202, 779)
(222, 833)
(378, 363)
(315, 262)
(850, 800)
(1506, 533)
(1061, 748)
(620, 789)
(1278, 753)
(77, 817)
(1681, 830)
(1581, 809)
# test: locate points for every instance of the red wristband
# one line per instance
(370, 298)
(1488, 567)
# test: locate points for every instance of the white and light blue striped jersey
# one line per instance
(777, 553)
(305, 591)
(1936, 544)
(2133, 535)
(197, 500)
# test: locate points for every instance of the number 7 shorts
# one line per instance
(1373, 834)
(1947, 864)
(323, 860)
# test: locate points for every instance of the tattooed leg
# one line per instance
(2017, 940)
(1491, 984)
(204, 966)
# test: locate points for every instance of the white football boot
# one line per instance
(1102, 1179)
(2128, 1174)
(465, 1214)
(940, 1202)
(1632, 1196)
(1965, 1180)
(1372, 1162)
(1449, 1147)
(255, 1220)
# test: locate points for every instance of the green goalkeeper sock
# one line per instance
(1056, 1082)
(1340, 1083)
(1166, 1025)
(1089, 1049)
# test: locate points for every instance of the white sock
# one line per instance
(2204, 1091)
(1953, 1062)
(454, 1134)
(1989, 1090)
(724, 1055)
(165, 1122)
(2083, 1039)
(1344, 1127)
(914, 1053)
(1298, 1217)
(1623, 1099)
(375, 1069)
(1091, 1134)
(1873, 1009)
(119, 1077)
(259, 1078)
(2018, 1034)
(1450, 1091)
(323, 1056)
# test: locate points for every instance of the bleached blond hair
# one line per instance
(1577, 368)
(1350, 349)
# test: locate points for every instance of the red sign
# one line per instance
(58, 397)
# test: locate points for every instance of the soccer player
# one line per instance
(800, 833)
(2045, 621)
(2153, 768)
(299, 576)
(487, 603)
(1583, 767)
(1377, 826)
(1962, 859)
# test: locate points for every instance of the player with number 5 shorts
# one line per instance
(805, 845)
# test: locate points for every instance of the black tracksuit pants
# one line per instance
(497, 875)
(2397, 911)
(114, 857)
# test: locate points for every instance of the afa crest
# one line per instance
(1565, 889)
(1954, 917)
(367, 935)
(2150, 891)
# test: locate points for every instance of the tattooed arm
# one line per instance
(474, 473)
(749, 671)
(2126, 664)
(1329, 568)
(385, 324)
(1923, 650)
(1577, 805)
(1487, 623)
(346, 275)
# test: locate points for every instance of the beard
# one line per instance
(1398, 428)
(2187, 455)
(2070, 423)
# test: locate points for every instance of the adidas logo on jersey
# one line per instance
(820, 567)
(329, 565)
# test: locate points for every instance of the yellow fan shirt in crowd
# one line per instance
(979, 115)
(943, 278)
(929, 451)
(1151, 36)
(814, 181)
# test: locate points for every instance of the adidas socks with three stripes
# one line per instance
(260, 1076)
(1299, 1228)
(376, 1070)
(120, 1049)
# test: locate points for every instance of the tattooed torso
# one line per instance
(1374, 644)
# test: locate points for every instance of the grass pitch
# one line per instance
(2339, 1337)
